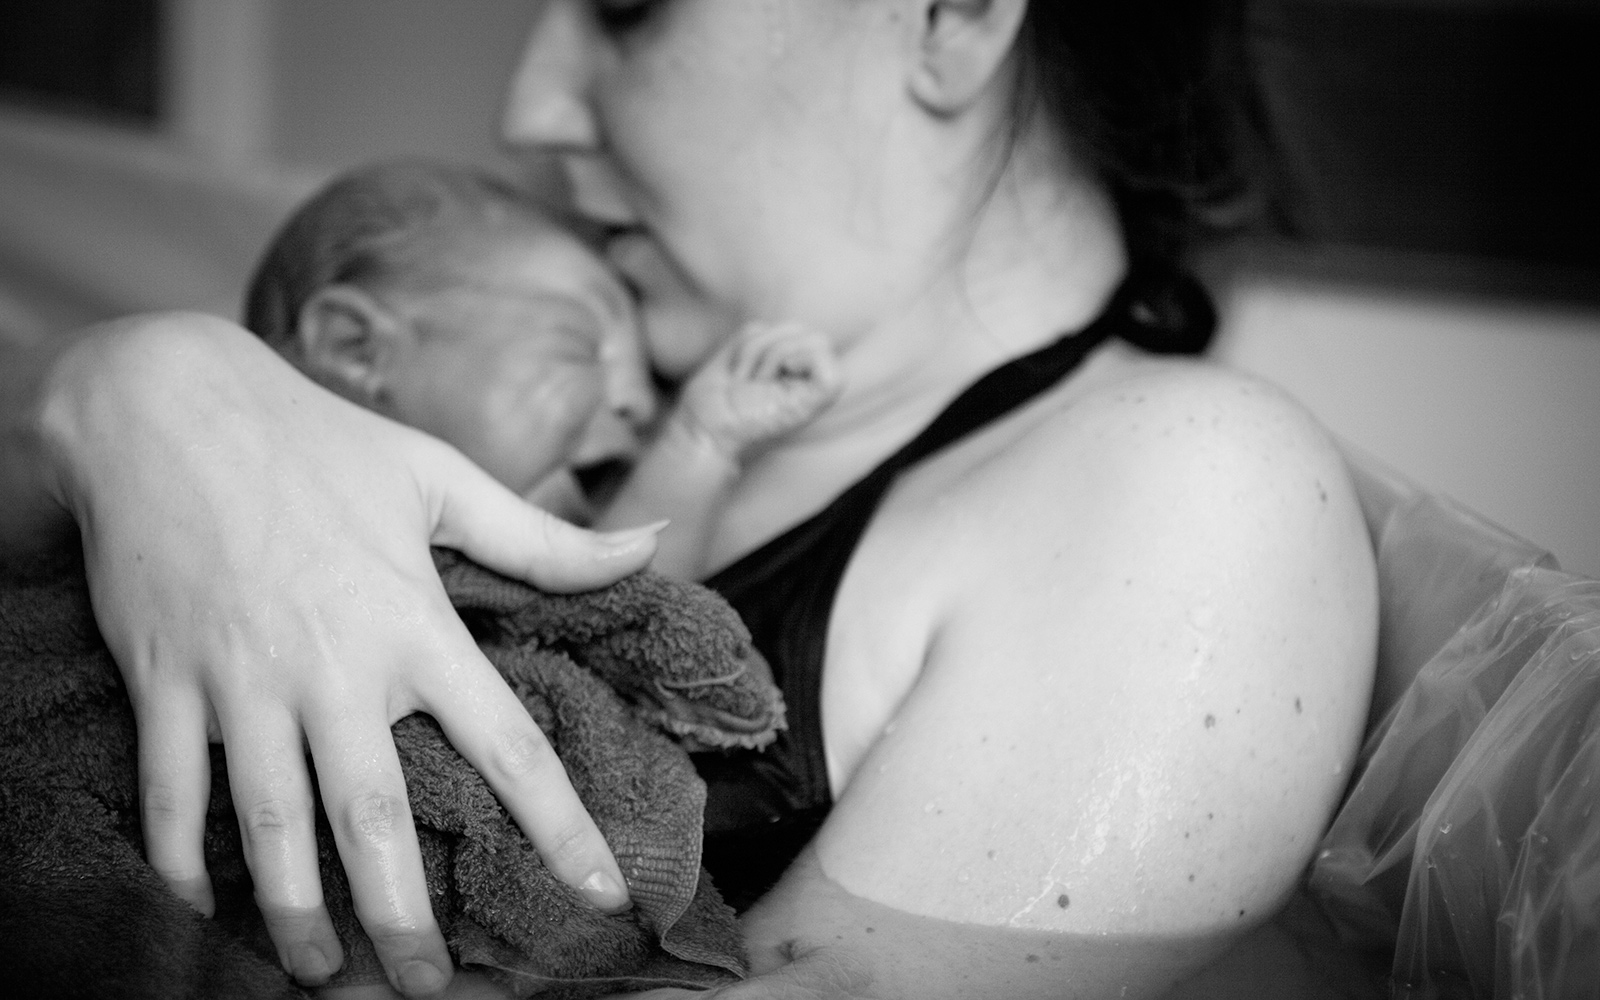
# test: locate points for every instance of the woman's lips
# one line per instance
(629, 251)
(644, 266)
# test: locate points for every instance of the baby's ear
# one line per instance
(347, 339)
(962, 45)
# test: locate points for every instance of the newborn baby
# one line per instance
(444, 298)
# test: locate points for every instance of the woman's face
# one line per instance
(527, 357)
(751, 156)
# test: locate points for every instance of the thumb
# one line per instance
(482, 519)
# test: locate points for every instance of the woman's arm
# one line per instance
(258, 561)
(1142, 639)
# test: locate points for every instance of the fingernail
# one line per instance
(629, 536)
(605, 893)
(419, 978)
(197, 891)
(309, 964)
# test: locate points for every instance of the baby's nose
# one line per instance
(630, 394)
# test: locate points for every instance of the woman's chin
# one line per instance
(681, 326)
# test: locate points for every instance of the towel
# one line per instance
(609, 676)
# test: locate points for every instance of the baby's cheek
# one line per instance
(536, 427)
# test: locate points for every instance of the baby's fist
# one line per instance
(768, 380)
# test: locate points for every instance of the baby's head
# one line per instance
(442, 297)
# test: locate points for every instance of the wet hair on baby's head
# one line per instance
(382, 221)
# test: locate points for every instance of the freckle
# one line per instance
(1033, 958)
(1211, 721)
(1186, 835)
(1297, 706)
(872, 930)
(991, 855)
(1211, 815)
(1191, 877)
(1062, 901)
(1241, 914)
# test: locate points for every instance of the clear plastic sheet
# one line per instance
(1468, 843)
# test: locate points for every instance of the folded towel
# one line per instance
(81, 913)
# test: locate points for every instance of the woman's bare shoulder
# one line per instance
(1152, 409)
(1186, 449)
(1150, 619)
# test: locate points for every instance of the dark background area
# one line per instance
(1430, 142)
(1447, 142)
(90, 57)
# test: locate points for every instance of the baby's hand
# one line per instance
(767, 380)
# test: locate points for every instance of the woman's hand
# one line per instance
(258, 560)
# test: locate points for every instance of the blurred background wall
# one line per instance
(1441, 311)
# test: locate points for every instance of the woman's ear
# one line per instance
(348, 340)
(963, 45)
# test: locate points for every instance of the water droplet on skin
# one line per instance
(1444, 828)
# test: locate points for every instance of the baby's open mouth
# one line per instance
(601, 480)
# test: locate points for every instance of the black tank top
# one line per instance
(763, 806)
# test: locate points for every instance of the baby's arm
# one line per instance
(768, 380)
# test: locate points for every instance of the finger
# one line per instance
(493, 526)
(797, 352)
(761, 339)
(272, 797)
(489, 726)
(364, 794)
(811, 357)
(174, 787)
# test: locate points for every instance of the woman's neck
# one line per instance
(1041, 259)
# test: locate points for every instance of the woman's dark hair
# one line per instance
(374, 222)
(1159, 99)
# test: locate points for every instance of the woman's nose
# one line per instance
(547, 107)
